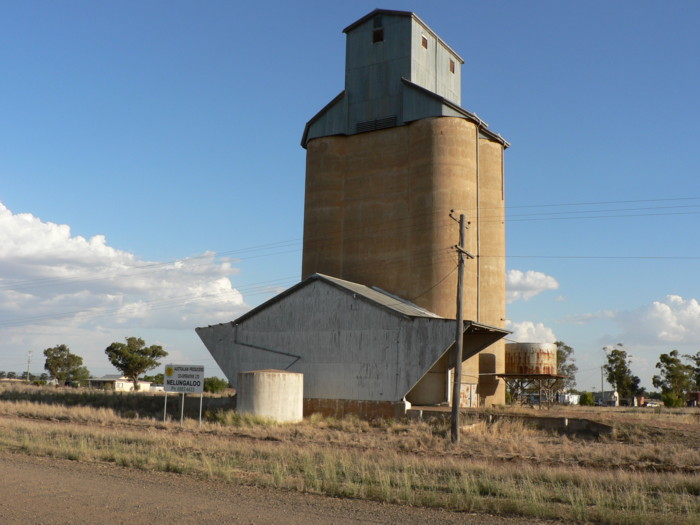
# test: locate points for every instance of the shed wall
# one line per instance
(346, 347)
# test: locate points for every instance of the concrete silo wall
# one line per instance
(377, 213)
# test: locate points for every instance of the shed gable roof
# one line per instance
(351, 341)
(377, 296)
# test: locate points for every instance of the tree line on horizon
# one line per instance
(678, 374)
(132, 359)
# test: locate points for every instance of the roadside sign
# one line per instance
(184, 379)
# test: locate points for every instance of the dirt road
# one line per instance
(49, 491)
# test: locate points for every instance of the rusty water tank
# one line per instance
(531, 358)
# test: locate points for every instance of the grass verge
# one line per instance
(406, 463)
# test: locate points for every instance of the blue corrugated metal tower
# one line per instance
(397, 70)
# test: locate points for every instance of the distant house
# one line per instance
(118, 383)
(606, 398)
(567, 398)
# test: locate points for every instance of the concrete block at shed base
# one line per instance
(339, 408)
(272, 394)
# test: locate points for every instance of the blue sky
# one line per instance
(152, 178)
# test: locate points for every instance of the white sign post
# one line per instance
(184, 379)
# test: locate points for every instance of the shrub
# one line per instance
(587, 399)
(215, 385)
(672, 400)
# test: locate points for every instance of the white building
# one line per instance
(118, 383)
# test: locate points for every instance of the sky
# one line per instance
(152, 178)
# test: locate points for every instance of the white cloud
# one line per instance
(56, 288)
(668, 322)
(589, 317)
(526, 285)
(529, 332)
(672, 323)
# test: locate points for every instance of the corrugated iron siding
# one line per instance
(346, 347)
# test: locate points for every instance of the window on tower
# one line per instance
(424, 41)
(452, 66)
(378, 35)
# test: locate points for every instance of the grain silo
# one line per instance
(387, 159)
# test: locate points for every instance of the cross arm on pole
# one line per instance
(463, 251)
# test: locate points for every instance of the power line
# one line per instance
(248, 291)
(596, 203)
(279, 247)
(551, 218)
(602, 257)
(360, 232)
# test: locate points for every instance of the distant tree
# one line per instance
(44, 377)
(565, 367)
(695, 359)
(676, 378)
(3, 374)
(64, 366)
(215, 385)
(587, 399)
(134, 358)
(158, 379)
(81, 376)
(618, 372)
(12, 375)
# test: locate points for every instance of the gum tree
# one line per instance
(695, 359)
(134, 358)
(64, 366)
(675, 379)
(618, 372)
(566, 366)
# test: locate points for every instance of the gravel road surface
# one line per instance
(51, 491)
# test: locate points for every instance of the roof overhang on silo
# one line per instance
(419, 103)
(445, 108)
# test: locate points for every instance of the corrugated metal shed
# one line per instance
(351, 342)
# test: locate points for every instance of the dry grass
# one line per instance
(505, 468)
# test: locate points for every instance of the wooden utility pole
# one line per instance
(602, 392)
(457, 384)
